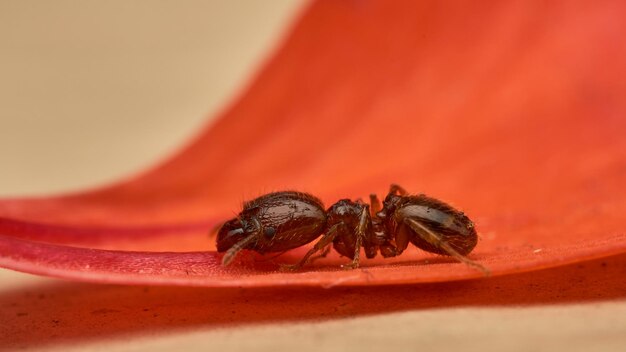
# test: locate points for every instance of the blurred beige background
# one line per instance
(92, 91)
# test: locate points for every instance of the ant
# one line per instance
(280, 221)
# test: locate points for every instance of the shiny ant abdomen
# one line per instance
(280, 221)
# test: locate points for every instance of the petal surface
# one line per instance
(511, 111)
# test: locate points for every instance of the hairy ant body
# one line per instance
(280, 221)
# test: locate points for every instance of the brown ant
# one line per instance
(279, 221)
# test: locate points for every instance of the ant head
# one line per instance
(230, 233)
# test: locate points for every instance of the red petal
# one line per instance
(511, 112)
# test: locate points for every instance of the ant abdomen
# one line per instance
(429, 223)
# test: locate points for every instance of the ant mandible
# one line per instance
(280, 221)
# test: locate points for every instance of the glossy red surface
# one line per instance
(511, 111)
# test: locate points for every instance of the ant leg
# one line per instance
(325, 241)
(394, 188)
(380, 235)
(232, 251)
(324, 253)
(403, 236)
(360, 234)
(436, 240)
(376, 206)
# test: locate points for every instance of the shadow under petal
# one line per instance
(69, 312)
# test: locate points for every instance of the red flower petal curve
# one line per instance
(511, 111)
